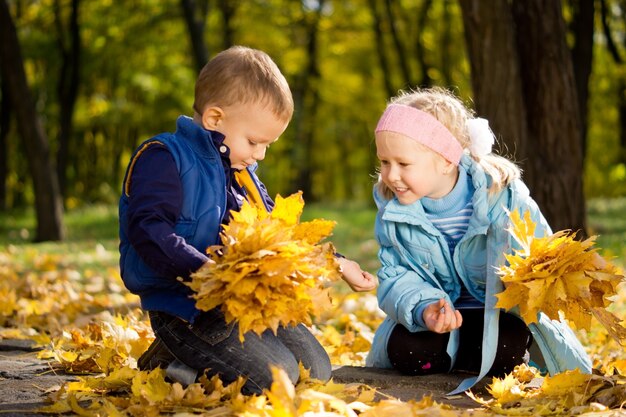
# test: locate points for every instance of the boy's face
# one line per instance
(249, 129)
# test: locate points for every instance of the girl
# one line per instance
(442, 198)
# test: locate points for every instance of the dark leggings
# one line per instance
(424, 353)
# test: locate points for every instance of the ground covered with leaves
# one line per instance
(90, 326)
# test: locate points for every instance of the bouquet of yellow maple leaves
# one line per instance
(557, 273)
(270, 270)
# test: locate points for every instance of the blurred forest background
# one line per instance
(84, 82)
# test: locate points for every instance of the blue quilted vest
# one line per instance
(203, 209)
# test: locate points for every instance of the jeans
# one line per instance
(213, 346)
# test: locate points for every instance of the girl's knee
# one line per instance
(421, 353)
(435, 364)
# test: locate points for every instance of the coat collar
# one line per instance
(200, 139)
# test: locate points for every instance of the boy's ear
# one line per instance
(212, 117)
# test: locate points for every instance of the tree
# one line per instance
(523, 81)
(48, 201)
(397, 21)
(69, 81)
(5, 124)
(228, 9)
(614, 50)
(581, 28)
(195, 14)
(307, 99)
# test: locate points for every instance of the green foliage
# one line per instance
(88, 223)
(605, 168)
(353, 235)
(93, 232)
(137, 75)
(606, 219)
(91, 245)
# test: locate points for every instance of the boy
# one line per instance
(177, 193)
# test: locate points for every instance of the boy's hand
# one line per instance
(208, 264)
(356, 278)
(439, 317)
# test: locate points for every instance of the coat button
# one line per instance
(223, 149)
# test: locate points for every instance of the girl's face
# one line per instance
(412, 170)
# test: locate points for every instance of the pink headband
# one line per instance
(422, 127)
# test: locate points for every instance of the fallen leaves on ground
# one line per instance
(107, 342)
(101, 340)
(42, 294)
(524, 392)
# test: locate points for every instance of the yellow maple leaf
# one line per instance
(524, 392)
(288, 209)
(558, 274)
(270, 270)
(9, 300)
(151, 385)
(564, 383)
(314, 231)
(282, 394)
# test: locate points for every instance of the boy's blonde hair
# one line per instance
(454, 115)
(241, 75)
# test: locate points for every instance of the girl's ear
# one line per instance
(212, 117)
(447, 167)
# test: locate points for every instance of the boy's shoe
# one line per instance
(156, 356)
(181, 373)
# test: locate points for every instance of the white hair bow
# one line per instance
(481, 136)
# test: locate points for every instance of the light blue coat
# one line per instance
(417, 269)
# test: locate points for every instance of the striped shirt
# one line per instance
(451, 215)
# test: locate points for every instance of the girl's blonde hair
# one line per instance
(241, 75)
(453, 114)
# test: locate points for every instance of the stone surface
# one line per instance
(26, 381)
(390, 382)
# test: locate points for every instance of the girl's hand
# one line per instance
(355, 277)
(439, 317)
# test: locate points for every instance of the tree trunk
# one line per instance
(582, 58)
(403, 60)
(446, 43)
(495, 71)
(5, 127)
(621, 84)
(69, 81)
(524, 84)
(420, 55)
(621, 92)
(48, 201)
(306, 101)
(228, 9)
(380, 48)
(553, 117)
(195, 13)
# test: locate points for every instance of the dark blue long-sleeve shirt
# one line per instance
(155, 204)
